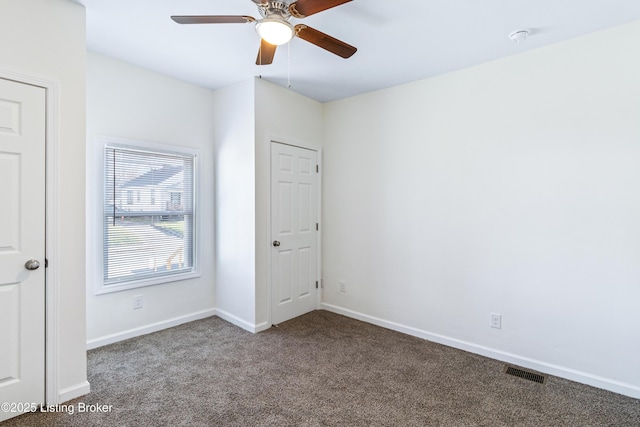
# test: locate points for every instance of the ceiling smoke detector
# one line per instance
(519, 36)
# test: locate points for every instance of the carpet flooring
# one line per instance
(320, 369)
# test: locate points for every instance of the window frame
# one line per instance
(146, 146)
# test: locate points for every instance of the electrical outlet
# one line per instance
(138, 302)
(322, 283)
(496, 320)
(343, 286)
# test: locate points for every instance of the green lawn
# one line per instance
(175, 226)
(120, 235)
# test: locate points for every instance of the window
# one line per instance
(147, 242)
(175, 202)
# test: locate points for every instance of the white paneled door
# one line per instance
(22, 246)
(294, 234)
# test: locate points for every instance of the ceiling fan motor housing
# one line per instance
(275, 9)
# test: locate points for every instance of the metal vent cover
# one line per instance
(527, 375)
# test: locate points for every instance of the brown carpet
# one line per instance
(321, 369)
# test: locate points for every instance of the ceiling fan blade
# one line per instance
(213, 19)
(302, 8)
(325, 41)
(266, 53)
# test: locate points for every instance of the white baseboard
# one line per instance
(615, 386)
(147, 329)
(247, 326)
(262, 326)
(72, 392)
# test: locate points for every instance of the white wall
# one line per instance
(45, 39)
(129, 102)
(235, 204)
(510, 187)
(283, 116)
(248, 116)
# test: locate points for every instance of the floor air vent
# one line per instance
(531, 376)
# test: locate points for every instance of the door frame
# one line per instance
(318, 150)
(52, 226)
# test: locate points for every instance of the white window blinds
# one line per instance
(148, 214)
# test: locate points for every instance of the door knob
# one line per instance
(276, 243)
(32, 264)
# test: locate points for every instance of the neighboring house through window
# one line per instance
(150, 239)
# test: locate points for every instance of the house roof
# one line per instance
(153, 177)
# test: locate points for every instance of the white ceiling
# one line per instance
(398, 41)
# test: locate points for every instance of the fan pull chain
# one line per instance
(289, 65)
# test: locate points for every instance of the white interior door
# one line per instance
(294, 217)
(22, 238)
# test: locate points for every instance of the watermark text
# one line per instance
(76, 408)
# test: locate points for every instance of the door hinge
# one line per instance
(317, 168)
(46, 263)
(316, 284)
(317, 227)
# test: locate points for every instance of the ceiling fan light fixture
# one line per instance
(275, 31)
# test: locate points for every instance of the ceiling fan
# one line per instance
(274, 27)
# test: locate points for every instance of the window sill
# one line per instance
(133, 284)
